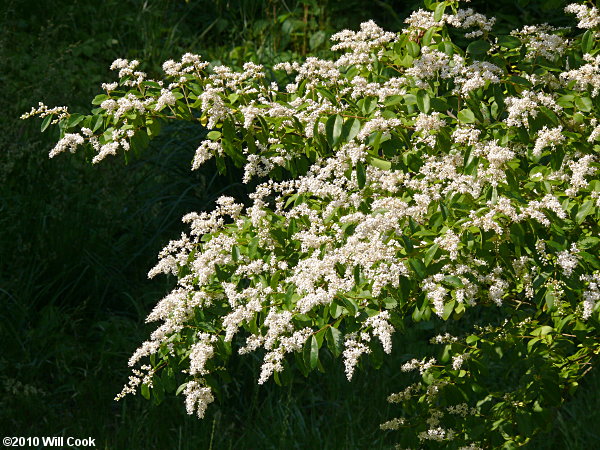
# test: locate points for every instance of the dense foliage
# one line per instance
(428, 177)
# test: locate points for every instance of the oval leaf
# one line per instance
(335, 341)
(333, 129)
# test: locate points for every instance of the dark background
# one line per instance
(76, 240)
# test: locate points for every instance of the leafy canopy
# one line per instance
(441, 179)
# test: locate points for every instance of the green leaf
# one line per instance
(428, 37)
(584, 103)
(97, 122)
(350, 129)
(299, 357)
(335, 341)
(213, 135)
(333, 129)
(566, 101)
(317, 39)
(158, 390)
(168, 380)
(429, 255)
(367, 105)
(361, 174)
(588, 242)
(393, 100)
(550, 299)
(423, 101)
(74, 120)
(446, 47)
(418, 266)
(439, 11)
(335, 310)
(379, 163)
(46, 122)
(390, 303)
(478, 47)
(587, 41)
(413, 49)
(542, 331)
(448, 309)
(229, 130)
(311, 353)
(472, 339)
(520, 81)
(350, 304)
(145, 391)
(531, 343)
(453, 281)
(583, 211)
(466, 116)
(233, 151)
(439, 104)
(181, 388)
(98, 99)
(253, 248)
(509, 42)
(410, 99)
(235, 253)
(376, 356)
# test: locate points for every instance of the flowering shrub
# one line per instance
(412, 183)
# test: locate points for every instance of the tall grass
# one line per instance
(76, 241)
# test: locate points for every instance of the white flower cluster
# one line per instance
(70, 141)
(467, 77)
(445, 338)
(426, 125)
(437, 434)
(449, 241)
(472, 446)
(384, 161)
(422, 365)
(382, 329)
(352, 353)
(361, 43)
(542, 40)
(462, 409)
(166, 99)
(458, 360)
(394, 424)
(521, 108)
(189, 64)
(61, 112)
(580, 168)
(206, 151)
(127, 72)
(109, 87)
(591, 296)
(435, 292)
(142, 376)
(197, 398)
(548, 137)
(420, 21)
(588, 75)
(588, 17)
(524, 275)
(201, 352)
(468, 18)
(567, 260)
(406, 394)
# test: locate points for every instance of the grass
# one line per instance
(76, 242)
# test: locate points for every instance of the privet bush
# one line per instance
(443, 178)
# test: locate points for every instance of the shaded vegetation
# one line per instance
(76, 241)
